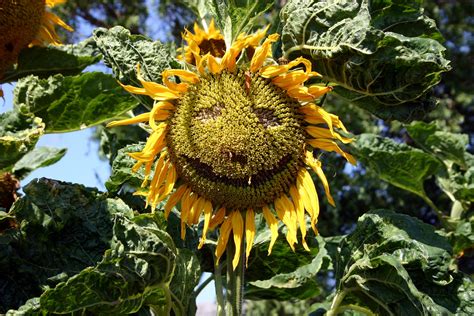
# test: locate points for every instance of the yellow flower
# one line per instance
(235, 136)
(24, 23)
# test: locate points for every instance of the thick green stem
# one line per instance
(235, 281)
(355, 308)
(438, 212)
(335, 303)
(219, 288)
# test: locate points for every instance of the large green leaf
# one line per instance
(37, 158)
(133, 273)
(186, 278)
(284, 274)
(122, 170)
(397, 163)
(235, 17)
(123, 52)
(458, 178)
(449, 147)
(18, 135)
(47, 61)
(63, 228)
(72, 103)
(382, 55)
(393, 264)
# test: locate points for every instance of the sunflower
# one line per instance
(234, 136)
(24, 23)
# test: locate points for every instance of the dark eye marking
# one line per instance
(209, 114)
(267, 117)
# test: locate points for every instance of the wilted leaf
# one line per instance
(186, 278)
(237, 17)
(449, 147)
(71, 103)
(399, 164)
(395, 264)
(47, 61)
(457, 179)
(123, 52)
(122, 169)
(284, 274)
(382, 55)
(462, 237)
(114, 139)
(63, 228)
(37, 158)
(18, 135)
(133, 273)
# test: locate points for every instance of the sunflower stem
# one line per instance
(235, 280)
(219, 288)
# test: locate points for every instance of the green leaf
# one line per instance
(63, 228)
(37, 158)
(457, 180)
(133, 273)
(395, 264)
(284, 274)
(123, 52)
(234, 17)
(122, 170)
(114, 139)
(47, 61)
(19, 133)
(186, 278)
(399, 164)
(383, 56)
(449, 147)
(71, 103)
(462, 237)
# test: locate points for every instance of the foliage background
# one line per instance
(101, 221)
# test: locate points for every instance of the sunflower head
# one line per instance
(23, 23)
(235, 134)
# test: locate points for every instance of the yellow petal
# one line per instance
(237, 231)
(188, 200)
(207, 219)
(154, 144)
(311, 200)
(152, 89)
(196, 211)
(137, 119)
(316, 166)
(224, 233)
(254, 39)
(330, 145)
(299, 207)
(284, 209)
(214, 66)
(303, 93)
(52, 3)
(249, 233)
(275, 70)
(273, 224)
(321, 132)
(184, 75)
(230, 57)
(174, 199)
(261, 52)
(291, 79)
(218, 218)
(317, 115)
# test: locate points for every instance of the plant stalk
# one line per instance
(219, 288)
(235, 279)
